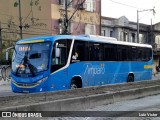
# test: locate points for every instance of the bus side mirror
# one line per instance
(7, 55)
(7, 52)
(57, 52)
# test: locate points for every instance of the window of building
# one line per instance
(62, 3)
(103, 33)
(157, 41)
(111, 33)
(125, 36)
(133, 38)
(121, 36)
(90, 29)
(141, 38)
(90, 5)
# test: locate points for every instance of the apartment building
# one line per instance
(125, 30)
(84, 16)
(47, 17)
(44, 17)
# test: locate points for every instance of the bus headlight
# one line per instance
(42, 80)
(12, 80)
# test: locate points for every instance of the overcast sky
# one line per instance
(128, 8)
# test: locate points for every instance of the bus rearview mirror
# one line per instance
(57, 52)
(7, 52)
(7, 55)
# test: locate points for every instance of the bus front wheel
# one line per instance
(74, 85)
(130, 78)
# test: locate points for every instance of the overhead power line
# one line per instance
(125, 4)
(29, 26)
(27, 33)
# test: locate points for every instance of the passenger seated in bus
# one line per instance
(75, 56)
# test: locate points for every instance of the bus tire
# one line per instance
(76, 83)
(130, 78)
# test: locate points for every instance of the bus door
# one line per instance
(59, 73)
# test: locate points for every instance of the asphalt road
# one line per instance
(141, 108)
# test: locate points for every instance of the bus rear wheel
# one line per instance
(130, 78)
(74, 85)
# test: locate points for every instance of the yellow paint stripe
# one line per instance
(147, 66)
(32, 41)
(25, 86)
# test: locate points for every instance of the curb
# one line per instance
(86, 102)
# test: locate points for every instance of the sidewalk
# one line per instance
(156, 76)
(5, 85)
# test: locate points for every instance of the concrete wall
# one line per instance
(89, 101)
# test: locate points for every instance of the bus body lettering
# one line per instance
(94, 69)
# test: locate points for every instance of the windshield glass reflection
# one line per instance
(31, 58)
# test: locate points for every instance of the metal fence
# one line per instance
(5, 72)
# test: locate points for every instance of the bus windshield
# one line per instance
(31, 58)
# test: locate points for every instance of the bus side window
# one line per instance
(110, 52)
(80, 51)
(96, 51)
(60, 54)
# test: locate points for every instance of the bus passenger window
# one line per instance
(60, 54)
(96, 51)
(75, 56)
(80, 51)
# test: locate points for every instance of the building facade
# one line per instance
(124, 30)
(47, 17)
(84, 16)
(44, 17)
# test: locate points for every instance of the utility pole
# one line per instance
(152, 37)
(138, 20)
(137, 27)
(20, 19)
(66, 18)
(0, 40)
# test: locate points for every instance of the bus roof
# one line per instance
(112, 40)
(93, 38)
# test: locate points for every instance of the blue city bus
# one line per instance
(60, 62)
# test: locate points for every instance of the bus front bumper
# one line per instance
(29, 87)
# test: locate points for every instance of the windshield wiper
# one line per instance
(26, 62)
(19, 66)
(32, 68)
